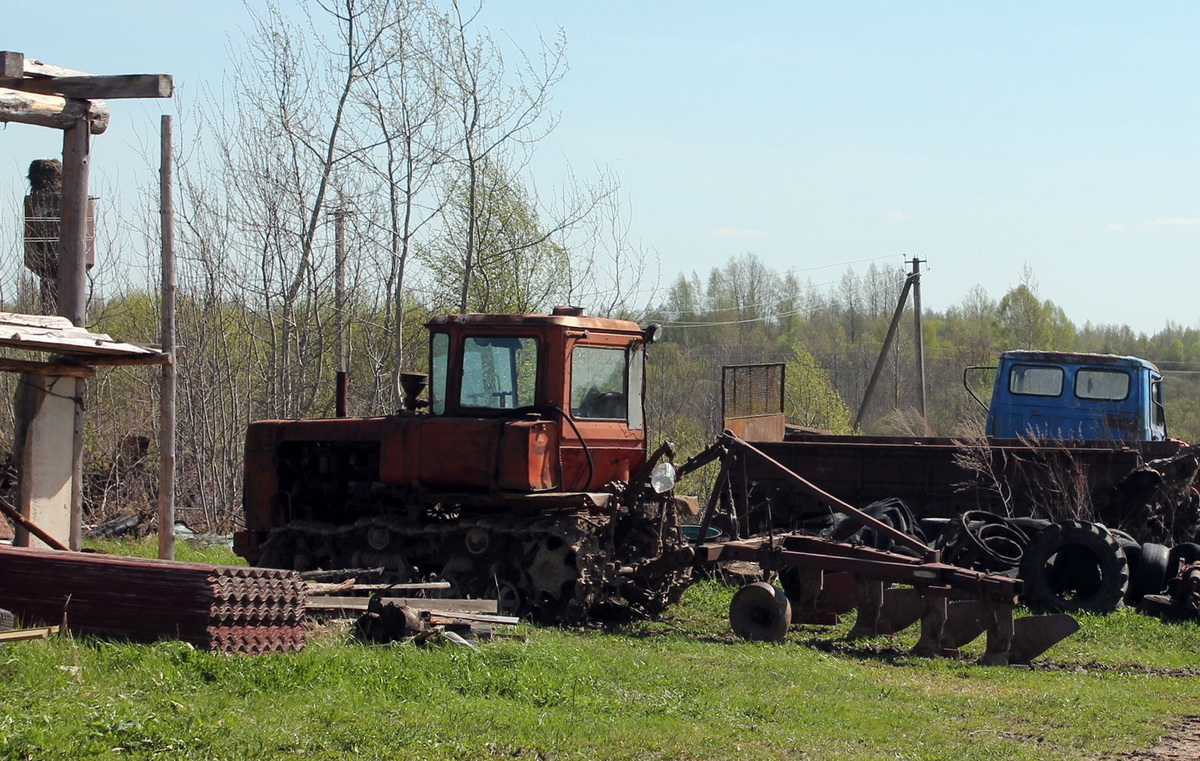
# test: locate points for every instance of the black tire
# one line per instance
(7, 620)
(1031, 526)
(1188, 552)
(1093, 575)
(1150, 578)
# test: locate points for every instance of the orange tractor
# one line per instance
(523, 476)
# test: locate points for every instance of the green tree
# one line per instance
(810, 399)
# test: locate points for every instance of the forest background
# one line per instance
(410, 129)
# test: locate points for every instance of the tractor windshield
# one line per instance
(499, 372)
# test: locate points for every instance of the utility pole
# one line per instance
(166, 405)
(918, 336)
(339, 226)
(912, 282)
(72, 287)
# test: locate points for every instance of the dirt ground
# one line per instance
(1183, 744)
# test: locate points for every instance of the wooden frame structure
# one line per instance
(40, 94)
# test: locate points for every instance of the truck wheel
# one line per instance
(1092, 573)
(1150, 577)
(760, 612)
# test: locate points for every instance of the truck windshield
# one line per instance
(499, 373)
(1035, 380)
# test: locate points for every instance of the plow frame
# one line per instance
(835, 577)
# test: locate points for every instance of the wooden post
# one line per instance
(166, 408)
(72, 287)
(339, 226)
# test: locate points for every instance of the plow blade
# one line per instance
(1034, 635)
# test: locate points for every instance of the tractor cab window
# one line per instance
(439, 360)
(598, 383)
(499, 372)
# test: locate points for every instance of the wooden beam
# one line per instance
(52, 111)
(360, 604)
(8, 365)
(12, 64)
(90, 88)
(18, 635)
(110, 360)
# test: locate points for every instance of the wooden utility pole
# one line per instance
(166, 410)
(72, 287)
(339, 226)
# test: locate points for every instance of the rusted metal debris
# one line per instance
(228, 609)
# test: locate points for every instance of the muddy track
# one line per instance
(1182, 744)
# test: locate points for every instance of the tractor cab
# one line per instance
(578, 382)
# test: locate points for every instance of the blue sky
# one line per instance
(982, 137)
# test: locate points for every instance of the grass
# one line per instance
(680, 688)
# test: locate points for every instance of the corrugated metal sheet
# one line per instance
(230, 609)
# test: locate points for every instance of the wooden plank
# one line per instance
(360, 603)
(17, 635)
(12, 64)
(52, 111)
(35, 68)
(43, 332)
(90, 88)
(8, 365)
(318, 588)
(447, 615)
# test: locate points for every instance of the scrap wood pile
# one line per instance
(223, 608)
(385, 616)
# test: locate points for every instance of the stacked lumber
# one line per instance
(228, 609)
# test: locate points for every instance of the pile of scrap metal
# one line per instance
(892, 588)
(223, 608)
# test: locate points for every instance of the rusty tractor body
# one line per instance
(523, 476)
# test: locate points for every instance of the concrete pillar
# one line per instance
(46, 423)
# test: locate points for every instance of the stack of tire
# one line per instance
(1074, 565)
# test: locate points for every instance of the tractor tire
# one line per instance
(1150, 578)
(760, 612)
(1095, 578)
(1188, 553)
(7, 620)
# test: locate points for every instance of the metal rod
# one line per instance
(166, 407)
(31, 527)
(864, 520)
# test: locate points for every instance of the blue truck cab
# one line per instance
(1086, 397)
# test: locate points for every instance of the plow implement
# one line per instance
(823, 578)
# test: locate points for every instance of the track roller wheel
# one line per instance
(760, 612)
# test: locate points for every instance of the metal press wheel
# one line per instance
(760, 612)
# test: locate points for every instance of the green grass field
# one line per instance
(680, 688)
